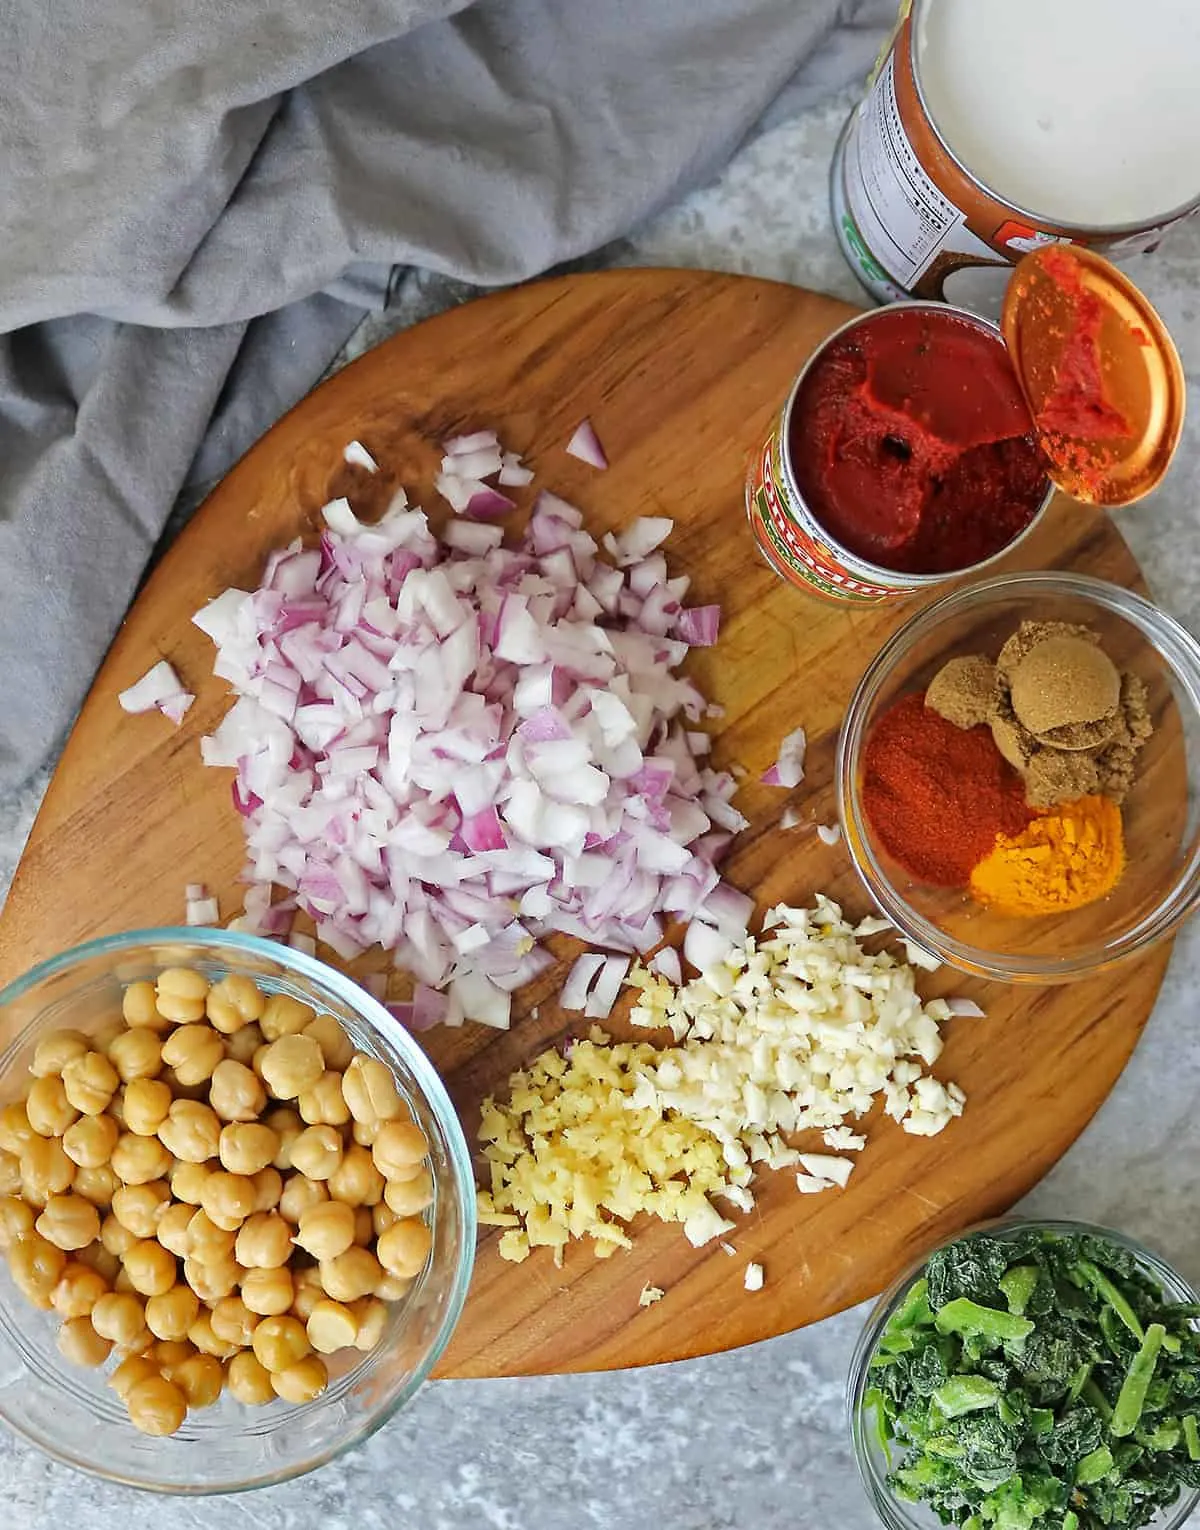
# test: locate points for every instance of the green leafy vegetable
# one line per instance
(1039, 1382)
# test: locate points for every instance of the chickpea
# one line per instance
(208, 1243)
(264, 1242)
(317, 1151)
(233, 1003)
(78, 1290)
(268, 1187)
(279, 1342)
(69, 1222)
(36, 1267)
(90, 1082)
(138, 1160)
(200, 1379)
(16, 1221)
(291, 1065)
(383, 1217)
(181, 983)
(97, 1257)
(228, 1199)
(249, 1380)
(145, 1106)
(370, 1090)
(137, 1053)
(353, 1274)
(10, 1173)
(364, 1227)
(132, 1369)
(365, 1132)
(236, 1092)
(331, 1327)
(171, 1313)
(90, 1142)
(140, 1208)
(49, 1110)
(168, 1352)
(336, 1047)
(371, 1319)
(268, 1292)
(213, 1280)
(193, 1053)
(309, 1291)
(399, 1148)
(203, 1337)
(188, 1181)
(287, 1126)
(46, 1170)
(391, 1288)
(172, 1228)
(138, 1007)
(284, 1016)
(233, 1322)
(97, 1185)
(356, 1180)
(116, 1237)
(119, 1316)
(409, 1196)
(299, 1194)
(404, 1248)
(115, 1111)
(15, 1130)
(79, 1343)
(191, 1131)
(302, 1382)
(242, 1045)
(55, 1051)
(246, 1147)
(324, 1104)
(151, 1268)
(156, 1406)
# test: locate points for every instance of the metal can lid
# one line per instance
(1099, 371)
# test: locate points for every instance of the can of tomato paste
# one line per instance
(992, 127)
(904, 456)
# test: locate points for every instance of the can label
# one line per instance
(907, 214)
(790, 539)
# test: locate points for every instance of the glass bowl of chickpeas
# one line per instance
(237, 1211)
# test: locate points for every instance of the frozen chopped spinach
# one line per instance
(1042, 1382)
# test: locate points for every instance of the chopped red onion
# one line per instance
(668, 964)
(357, 455)
(585, 444)
(159, 689)
(513, 473)
(698, 626)
(790, 818)
(579, 980)
(829, 834)
(967, 1008)
(788, 770)
(454, 748)
(606, 988)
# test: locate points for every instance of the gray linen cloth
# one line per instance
(198, 201)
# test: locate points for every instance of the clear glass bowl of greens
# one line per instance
(1031, 1375)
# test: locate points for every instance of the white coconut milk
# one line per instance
(1083, 111)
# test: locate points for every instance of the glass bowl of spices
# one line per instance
(1017, 777)
(1044, 1374)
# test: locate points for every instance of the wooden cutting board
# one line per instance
(681, 373)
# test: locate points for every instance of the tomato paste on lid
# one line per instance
(912, 444)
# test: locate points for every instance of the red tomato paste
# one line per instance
(912, 444)
(1076, 406)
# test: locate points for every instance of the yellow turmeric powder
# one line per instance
(1064, 859)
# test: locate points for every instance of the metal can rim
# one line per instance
(876, 573)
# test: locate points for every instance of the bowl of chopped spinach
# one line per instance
(1031, 1376)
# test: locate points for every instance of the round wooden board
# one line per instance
(681, 372)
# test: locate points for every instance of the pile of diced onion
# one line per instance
(451, 747)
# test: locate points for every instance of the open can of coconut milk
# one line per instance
(993, 127)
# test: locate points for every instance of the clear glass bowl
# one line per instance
(1161, 883)
(69, 1412)
(897, 1513)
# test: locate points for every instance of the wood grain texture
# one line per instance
(681, 373)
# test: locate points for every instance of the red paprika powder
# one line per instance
(937, 795)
